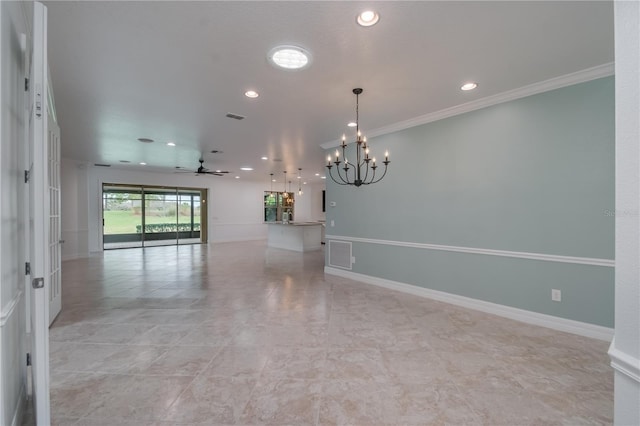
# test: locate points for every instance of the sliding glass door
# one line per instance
(121, 217)
(143, 216)
(189, 213)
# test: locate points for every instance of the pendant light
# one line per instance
(299, 182)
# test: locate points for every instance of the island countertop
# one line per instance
(295, 223)
(297, 236)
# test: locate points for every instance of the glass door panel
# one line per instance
(189, 214)
(122, 217)
(160, 217)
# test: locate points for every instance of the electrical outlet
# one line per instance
(556, 295)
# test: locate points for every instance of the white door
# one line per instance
(55, 235)
(39, 217)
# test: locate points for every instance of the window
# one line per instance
(278, 205)
(140, 216)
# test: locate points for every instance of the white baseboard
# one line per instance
(624, 363)
(529, 317)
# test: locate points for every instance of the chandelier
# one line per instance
(357, 173)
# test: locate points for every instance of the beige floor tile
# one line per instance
(352, 402)
(212, 400)
(237, 333)
(239, 361)
(180, 361)
(290, 362)
(283, 402)
(142, 398)
(356, 364)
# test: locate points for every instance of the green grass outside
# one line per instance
(124, 222)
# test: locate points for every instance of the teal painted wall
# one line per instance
(531, 175)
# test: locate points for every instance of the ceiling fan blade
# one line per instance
(201, 170)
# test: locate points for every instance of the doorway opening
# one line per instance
(144, 216)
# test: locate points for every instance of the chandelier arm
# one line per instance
(333, 179)
(373, 174)
(385, 172)
(346, 172)
(346, 182)
(346, 175)
(364, 179)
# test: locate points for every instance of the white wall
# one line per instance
(308, 206)
(74, 212)
(625, 349)
(235, 211)
(12, 222)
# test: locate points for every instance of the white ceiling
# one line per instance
(170, 71)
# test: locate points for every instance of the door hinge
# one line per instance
(38, 101)
(26, 84)
(28, 359)
(26, 176)
(27, 268)
(37, 283)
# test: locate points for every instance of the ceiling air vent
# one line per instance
(102, 165)
(235, 116)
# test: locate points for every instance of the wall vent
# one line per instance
(235, 116)
(340, 254)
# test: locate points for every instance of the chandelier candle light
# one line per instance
(360, 170)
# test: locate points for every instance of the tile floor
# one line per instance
(238, 333)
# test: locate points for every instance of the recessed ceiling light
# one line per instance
(237, 177)
(289, 57)
(317, 174)
(171, 144)
(143, 164)
(323, 177)
(218, 171)
(246, 169)
(469, 86)
(145, 140)
(251, 94)
(273, 180)
(264, 158)
(352, 124)
(368, 18)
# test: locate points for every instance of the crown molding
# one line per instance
(577, 77)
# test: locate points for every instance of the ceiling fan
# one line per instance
(202, 170)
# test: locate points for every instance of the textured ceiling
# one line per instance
(171, 71)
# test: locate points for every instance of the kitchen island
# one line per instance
(296, 236)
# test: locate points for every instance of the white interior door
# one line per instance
(39, 217)
(55, 236)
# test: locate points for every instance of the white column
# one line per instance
(625, 348)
